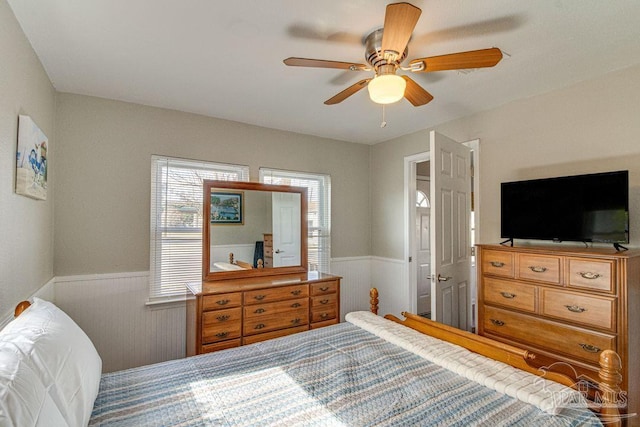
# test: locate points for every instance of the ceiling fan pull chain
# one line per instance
(384, 122)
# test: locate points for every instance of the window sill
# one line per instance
(166, 303)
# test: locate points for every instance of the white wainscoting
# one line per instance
(355, 284)
(388, 275)
(112, 310)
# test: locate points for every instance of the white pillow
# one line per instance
(62, 355)
(24, 400)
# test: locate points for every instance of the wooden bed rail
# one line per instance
(606, 402)
(22, 306)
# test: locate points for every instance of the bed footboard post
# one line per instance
(373, 300)
(610, 380)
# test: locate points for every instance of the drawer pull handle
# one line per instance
(259, 297)
(223, 302)
(497, 264)
(223, 317)
(537, 268)
(324, 301)
(324, 288)
(575, 308)
(508, 295)
(222, 334)
(259, 326)
(589, 348)
(497, 322)
(295, 321)
(259, 310)
(296, 305)
(324, 315)
(589, 275)
(296, 292)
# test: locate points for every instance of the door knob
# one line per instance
(278, 251)
(443, 278)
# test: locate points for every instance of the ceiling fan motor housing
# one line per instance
(376, 58)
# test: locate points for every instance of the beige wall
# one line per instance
(103, 176)
(26, 225)
(590, 127)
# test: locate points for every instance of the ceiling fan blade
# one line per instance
(321, 63)
(415, 94)
(399, 21)
(458, 61)
(347, 92)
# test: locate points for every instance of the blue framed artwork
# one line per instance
(227, 207)
(31, 160)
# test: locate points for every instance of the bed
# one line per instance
(367, 371)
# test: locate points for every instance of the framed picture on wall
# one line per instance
(227, 207)
(31, 160)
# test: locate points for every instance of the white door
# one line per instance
(285, 209)
(450, 246)
(423, 254)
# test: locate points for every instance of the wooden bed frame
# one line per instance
(604, 402)
(608, 386)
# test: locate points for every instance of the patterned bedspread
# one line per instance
(336, 376)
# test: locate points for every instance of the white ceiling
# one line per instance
(224, 59)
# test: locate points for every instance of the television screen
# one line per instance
(585, 208)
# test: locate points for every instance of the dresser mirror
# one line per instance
(252, 229)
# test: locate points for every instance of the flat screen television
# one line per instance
(581, 208)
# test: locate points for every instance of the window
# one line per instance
(422, 201)
(318, 215)
(176, 220)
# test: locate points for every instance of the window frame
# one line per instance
(166, 265)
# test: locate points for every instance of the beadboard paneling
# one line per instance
(111, 309)
(355, 284)
(388, 275)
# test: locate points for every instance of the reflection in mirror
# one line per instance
(254, 229)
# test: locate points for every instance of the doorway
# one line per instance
(422, 239)
(419, 251)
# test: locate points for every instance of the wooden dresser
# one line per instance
(230, 313)
(565, 305)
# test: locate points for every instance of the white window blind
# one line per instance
(319, 211)
(176, 220)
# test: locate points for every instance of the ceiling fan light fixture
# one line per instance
(387, 88)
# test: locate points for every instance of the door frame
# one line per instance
(410, 274)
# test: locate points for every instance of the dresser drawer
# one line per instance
(228, 315)
(276, 294)
(548, 335)
(215, 302)
(323, 300)
(498, 263)
(540, 268)
(220, 331)
(268, 309)
(579, 308)
(256, 325)
(324, 288)
(222, 345)
(320, 314)
(510, 294)
(591, 274)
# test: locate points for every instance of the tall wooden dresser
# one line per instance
(229, 313)
(565, 305)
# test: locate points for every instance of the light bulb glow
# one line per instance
(387, 89)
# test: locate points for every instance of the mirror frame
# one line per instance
(210, 276)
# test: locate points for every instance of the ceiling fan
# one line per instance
(386, 48)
